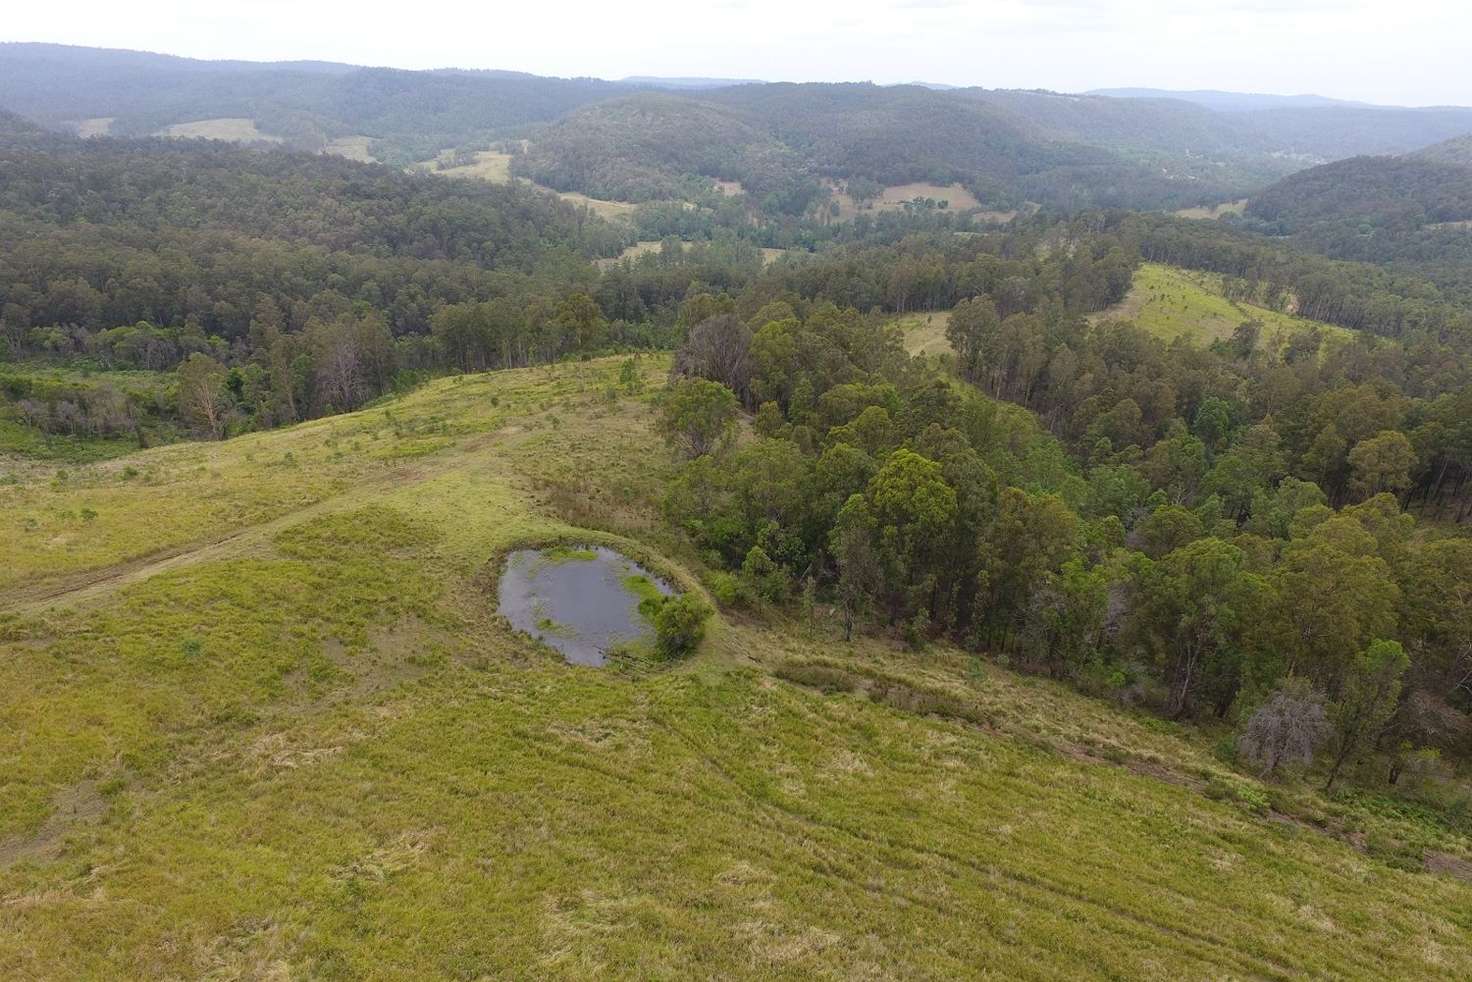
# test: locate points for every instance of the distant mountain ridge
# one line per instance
(696, 82)
(616, 139)
(1223, 101)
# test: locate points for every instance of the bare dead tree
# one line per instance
(1288, 728)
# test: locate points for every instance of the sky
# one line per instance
(1404, 52)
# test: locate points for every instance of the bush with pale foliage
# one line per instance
(1286, 729)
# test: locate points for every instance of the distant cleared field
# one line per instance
(493, 166)
(1215, 211)
(730, 188)
(352, 147)
(610, 210)
(896, 197)
(641, 248)
(489, 166)
(1172, 303)
(232, 128)
(647, 246)
(97, 126)
(925, 334)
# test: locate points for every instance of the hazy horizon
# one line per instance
(1344, 49)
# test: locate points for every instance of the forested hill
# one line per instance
(1062, 150)
(410, 115)
(171, 187)
(1229, 101)
(1408, 210)
(13, 127)
(782, 139)
(1457, 150)
(1397, 193)
(1005, 146)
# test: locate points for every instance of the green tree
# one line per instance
(203, 398)
(679, 625)
(698, 416)
(1032, 536)
(1368, 700)
(580, 322)
(1335, 596)
(1166, 529)
(1193, 607)
(914, 509)
(1065, 617)
(763, 577)
(859, 572)
(971, 330)
(1381, 463)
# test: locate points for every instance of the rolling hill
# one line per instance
(1457, 150)
(1414, 210)
(1396, 193)
(1221, 101)
(409, 115)
(774, 137)
(595, 136)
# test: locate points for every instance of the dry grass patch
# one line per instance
(610, 210)
(895, 198)
(234, 129)
(489, 165)
(352, 147)
(1213, 212)
(641, 248)
(97, 126)
(925, 334)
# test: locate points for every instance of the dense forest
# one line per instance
(1394, 194)
(1193, 529)
(1457, 150)
(314, 279)
(1411, 211)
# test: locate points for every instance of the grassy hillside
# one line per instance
(1172, 303)
(262, 720)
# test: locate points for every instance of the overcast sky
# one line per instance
(1416, 52)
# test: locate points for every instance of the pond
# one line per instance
(583, 601)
